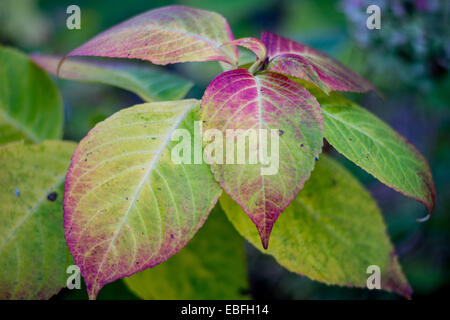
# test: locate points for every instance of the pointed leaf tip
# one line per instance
(238, 101)
(333, 74)
(322, 232)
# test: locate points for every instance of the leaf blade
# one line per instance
(253, 44)
(153, 214)
(147, 82)
(30, 103)
(33, 251)
(237, 100)
(207, 268)
(375, 147)
(328, 236)
(197, 34)
(334, 75)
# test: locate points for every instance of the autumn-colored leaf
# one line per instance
(166, 35)
(253, 44)
(269, 101)
(332, 232)
(127, 205)
(374, 146)
(149, 83)
(333, 74)
(33, 251)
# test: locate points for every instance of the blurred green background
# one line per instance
(407, 60)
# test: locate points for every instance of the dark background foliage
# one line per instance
(408, 60)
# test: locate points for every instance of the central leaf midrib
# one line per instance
(141, 184)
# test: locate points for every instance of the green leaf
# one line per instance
(127, 205)
(149, 83)
(33, 251)
(211, 266)
(377, 148)
(30, 104)
(331, 232)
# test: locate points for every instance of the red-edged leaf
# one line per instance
(253, 44)
(334, 75)
(127, 205)
(239, 100)
(166, 35)
(296, 66)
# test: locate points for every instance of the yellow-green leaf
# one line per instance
(211, 266)
(33, 251)
(127, 205)
(332, 232)
(30, 104)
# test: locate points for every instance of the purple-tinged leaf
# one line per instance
(239, 100)
(127, 205)
(334, 75)
(253, 44)
(166, 35)
(296, 66)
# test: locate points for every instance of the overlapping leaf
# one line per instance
(148, 82)
(166, 35)
(333, 74)
(127, 205)
(331, 232)
(30, 104)
(33, 251)
(253, 44)
(377, 148)
(238, 100)
(211, 266)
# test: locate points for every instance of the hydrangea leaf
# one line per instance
(211, 266)
(166, 35)
(333, 74)
(33, 251)
(238, 100)
(296, 66)
(127, 205)
(30, 103)
(374, 146)
(332, 232)
(147, 82)
(253, 44)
